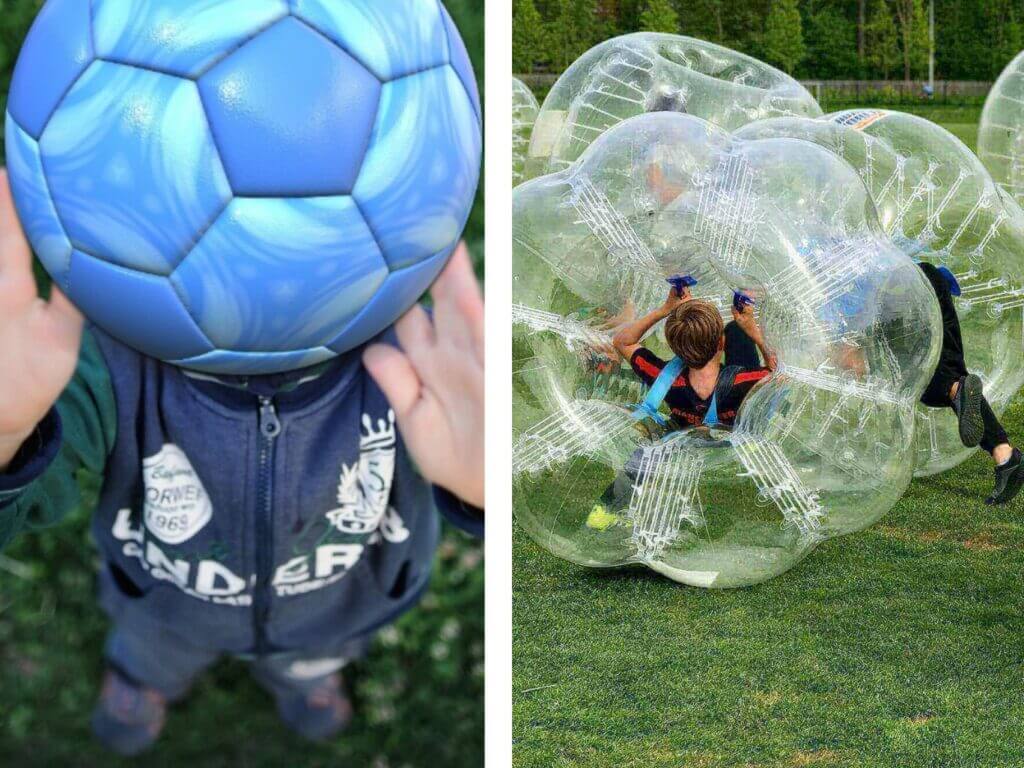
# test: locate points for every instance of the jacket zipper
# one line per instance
(270, 428)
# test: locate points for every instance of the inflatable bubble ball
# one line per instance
(524, 114)
(821, 446)
(243, 186)
(1001, 130)
(654, 72)
(937, 202)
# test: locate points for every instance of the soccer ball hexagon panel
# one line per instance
(243, 186)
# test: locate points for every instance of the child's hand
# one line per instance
(744, 317)
(39, 340)
(437, 386)
(675, 299)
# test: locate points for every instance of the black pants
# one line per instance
(951, 367)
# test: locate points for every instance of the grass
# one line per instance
(897, 646)
(961, 121)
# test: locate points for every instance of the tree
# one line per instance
(527, 36)
(783, 35)
(573, 30)
(659, 16)
(882, 39)
(862, 23)
(1002, 34)
(913, 26)
(831, 45)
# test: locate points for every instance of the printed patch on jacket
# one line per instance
(364, 489)
(177, 506)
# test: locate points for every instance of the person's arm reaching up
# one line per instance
(39, 340)
(57, 410)
(627, 340)
(745, 320)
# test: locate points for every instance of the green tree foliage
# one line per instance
(783, 35)
(529, 41)
(831, 46)
(573, 30)
(912, 21)
(659, 16)
(882, 40)
(974, 39)
(1003, 20)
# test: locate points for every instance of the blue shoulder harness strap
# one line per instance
(726, 378)
(648, 409)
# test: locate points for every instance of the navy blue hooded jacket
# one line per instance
(275, 514)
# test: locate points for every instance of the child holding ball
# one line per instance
(283, 519)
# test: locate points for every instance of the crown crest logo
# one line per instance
(381, 437)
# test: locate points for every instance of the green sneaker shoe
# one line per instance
(600, 519)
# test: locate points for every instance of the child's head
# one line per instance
(694, 331)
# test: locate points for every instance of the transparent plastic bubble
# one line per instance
(524, 115)
(654, 72)
(1001, 131)
(820, 448)
(938, 204)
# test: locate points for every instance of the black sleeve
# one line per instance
(646, 365)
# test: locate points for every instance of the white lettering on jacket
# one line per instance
(177, 507)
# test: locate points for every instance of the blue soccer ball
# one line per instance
(243, 186)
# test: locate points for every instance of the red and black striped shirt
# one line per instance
(687, 407)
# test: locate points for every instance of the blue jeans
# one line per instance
(169, 663)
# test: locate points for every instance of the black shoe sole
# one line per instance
(972, 426)
(1013, 486)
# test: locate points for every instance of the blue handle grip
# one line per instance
(679, 282)
(741, 300)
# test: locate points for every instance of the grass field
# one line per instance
(899, 646)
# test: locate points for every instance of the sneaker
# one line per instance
(128, 718)
(600, 519)
(316, 714)
(967, 404)
(1009, 480)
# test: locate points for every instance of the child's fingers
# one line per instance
(458, 277)
(458, 304)
(395, 375)
(14, 251)
(415, 333)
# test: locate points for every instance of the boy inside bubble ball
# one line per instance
(282, 519)
(707, 390)
(718, 365)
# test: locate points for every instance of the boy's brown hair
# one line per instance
(694, 332)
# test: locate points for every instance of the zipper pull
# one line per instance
(270, 425)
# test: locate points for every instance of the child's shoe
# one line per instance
(1009, 480)
(128, 718)
(316, 714)
(967, 404)
(600, 519)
